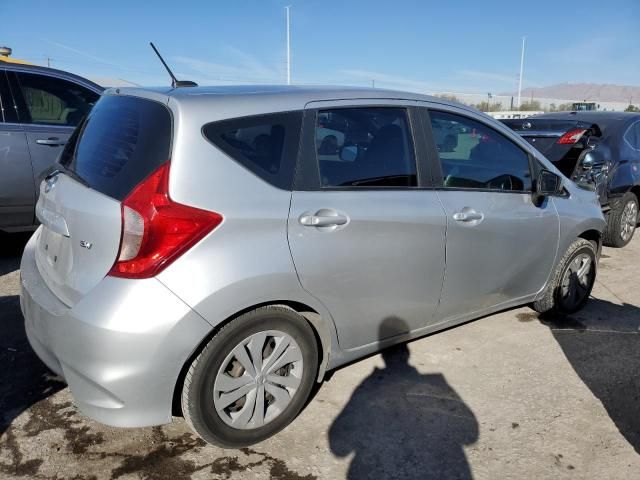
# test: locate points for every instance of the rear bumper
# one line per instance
(120, 349)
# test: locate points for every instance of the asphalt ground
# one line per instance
(507, 396)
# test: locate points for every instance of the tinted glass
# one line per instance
(266, 145)
(123, 140)
(7, 106)
(474, 155)
(365, 147)
(53, 101)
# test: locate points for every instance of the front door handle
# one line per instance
(323, 220)
(467, 215)
(51, 141)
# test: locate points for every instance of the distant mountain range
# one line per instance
(586, 91)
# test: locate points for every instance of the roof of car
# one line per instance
(293, 96)
(50, 71)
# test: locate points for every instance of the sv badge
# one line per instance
(85, 244)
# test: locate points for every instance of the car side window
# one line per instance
(266, 145)
(54, 101)
(365, 147)
(7, 107)
(474, 155)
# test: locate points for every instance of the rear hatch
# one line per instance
(123, 141)
(563, 141)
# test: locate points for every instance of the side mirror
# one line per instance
(587, 162)
(548, 183)
(349, 153)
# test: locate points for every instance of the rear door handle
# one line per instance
(51, 141)
(323, 220)
(467, 215)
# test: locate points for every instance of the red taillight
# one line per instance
(571, 137)
(156, 230)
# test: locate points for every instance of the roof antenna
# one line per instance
(175, 83)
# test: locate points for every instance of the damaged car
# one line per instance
(597, 150)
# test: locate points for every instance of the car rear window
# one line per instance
(266, 145)
(542, 125)
(122, 141)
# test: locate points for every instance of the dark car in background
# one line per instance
(39, 109)
(599, 150)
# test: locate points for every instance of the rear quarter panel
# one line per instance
(246, 261)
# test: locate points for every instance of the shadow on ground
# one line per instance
(24, 380)
(11, 247)
(602, 344)
(402, 424)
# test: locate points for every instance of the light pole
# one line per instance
(521, 72)
(288, 46)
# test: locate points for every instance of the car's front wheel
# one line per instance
(252, 378)
(572, 281)
(622, 221)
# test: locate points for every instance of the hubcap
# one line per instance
(258, 379)
(629, 220)
(576, 281)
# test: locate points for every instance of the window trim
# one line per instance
(437, 165)
(307, 176)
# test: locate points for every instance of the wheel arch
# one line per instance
(594, 236)
(319, 325)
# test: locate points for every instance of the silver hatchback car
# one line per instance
(218, 250)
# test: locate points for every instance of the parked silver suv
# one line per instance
(226, 247)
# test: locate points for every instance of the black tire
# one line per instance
(197, 392)
(552, 299)
(614, 234)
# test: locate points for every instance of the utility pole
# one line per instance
(521, 72)
(49, 62)
(373, 83)
(288, 46)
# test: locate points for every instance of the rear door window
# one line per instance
(123, 140)
(365, 147)
(54, 101)
(7, 106)
(266, 145)
(474, 155)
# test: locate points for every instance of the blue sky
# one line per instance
(460, 46)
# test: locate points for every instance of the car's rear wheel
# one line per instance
(622, 221)
(252, 378)
(572, 281)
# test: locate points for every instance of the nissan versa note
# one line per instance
(216, 251)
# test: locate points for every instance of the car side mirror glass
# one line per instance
(349, 153)
(548, 183)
